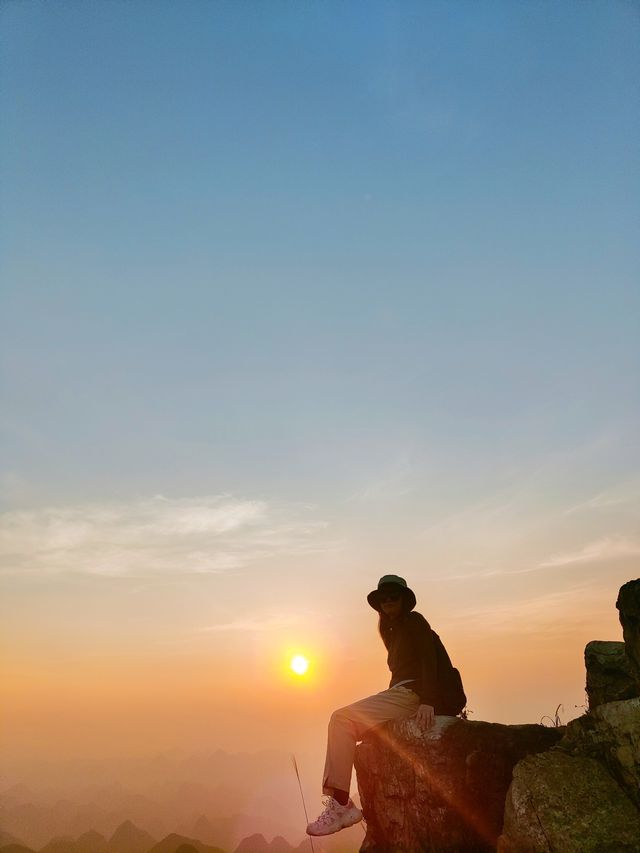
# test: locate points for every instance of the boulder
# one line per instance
(583, 796)
(610, 677)
(440, 791)
(567, 790)
(628, 605)
(610, 734)
(568, 804)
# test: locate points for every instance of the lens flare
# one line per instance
(299, 664)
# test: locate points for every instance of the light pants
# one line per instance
(348, 725)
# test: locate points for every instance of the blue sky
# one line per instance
(359, 274)
(261, 233)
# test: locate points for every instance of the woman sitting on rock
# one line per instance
(423, 684)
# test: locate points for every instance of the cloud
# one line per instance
(531, 490)
(604, 549)
(481, 573)
(607, 548)
(625, 496)
(394, 482)
(154, 537)
(271, 623)
(557, 609)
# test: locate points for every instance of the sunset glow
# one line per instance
(299, 664)
(295, 297)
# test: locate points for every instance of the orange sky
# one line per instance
(296, 295)
(72, 686)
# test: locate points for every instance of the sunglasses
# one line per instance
(388, 596)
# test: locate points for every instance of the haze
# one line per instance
(295, 296)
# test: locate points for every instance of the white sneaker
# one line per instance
(334, 817)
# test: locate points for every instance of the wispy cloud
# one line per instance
(155, 536)
(625, 496)
(494, 509)
(394, 482)
(481, 573)
(271, 623)
(607, 548)
(579, 604)
(531, 490)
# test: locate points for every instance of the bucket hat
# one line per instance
(391, 580)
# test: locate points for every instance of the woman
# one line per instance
(412, 691)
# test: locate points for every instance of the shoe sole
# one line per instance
(337, 829)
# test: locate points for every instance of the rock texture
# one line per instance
(628, 605)
(583, 796)
(611, 735)
(568, 790)
(567, 804)
(610, 677)
(442, 791)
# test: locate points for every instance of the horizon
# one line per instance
(295, 297)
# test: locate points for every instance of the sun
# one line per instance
(299, 664)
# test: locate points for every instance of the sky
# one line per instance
(295, 296)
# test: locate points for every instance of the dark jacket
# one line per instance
(412, 654)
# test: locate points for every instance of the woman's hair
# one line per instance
(384, 622)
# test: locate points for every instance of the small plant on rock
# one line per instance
(555, 721)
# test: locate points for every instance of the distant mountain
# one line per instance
(174, 842)
(336, 843)
(165, 792)
(205, 829)
(257, 843)
(16, 795)
(7, 838)
(346, 841)
(91, 842)
(128, 838)
(16, 848)
(21, 819)
(64, 844)
(90, 816)
(279, 845)
(227, 832)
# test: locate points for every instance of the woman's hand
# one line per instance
(425, 716)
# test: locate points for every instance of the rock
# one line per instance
(442, 791)
(583, 796)
(610, 734)
(628, 605)
(569, 804)
(610, 677)
(573, 791)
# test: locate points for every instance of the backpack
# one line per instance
(452, 696)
